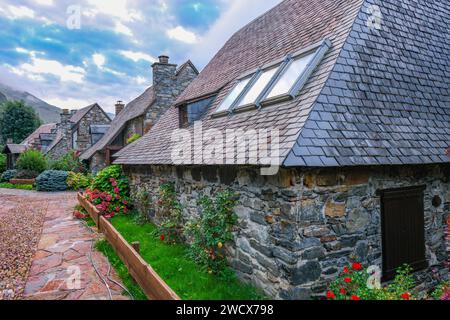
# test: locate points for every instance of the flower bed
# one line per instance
(153, 286)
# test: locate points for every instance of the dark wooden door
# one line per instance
(403, 229)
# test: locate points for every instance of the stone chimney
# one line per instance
(119, 107)
(65, 126)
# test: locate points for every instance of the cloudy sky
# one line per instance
(71, 53)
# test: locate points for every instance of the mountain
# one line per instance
(47, 112)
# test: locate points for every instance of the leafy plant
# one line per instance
(142, 201)
(8, 175)
(32, 160)
(7, 185)
(169, 214)
(353, 284)
(69, 162)
(133, 138)
(78, 181)
(110, 192)
(442, 291)
(211, 231)
(2, 162)
(52, 180)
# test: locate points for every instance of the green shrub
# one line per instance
(26, 174)
(32, 160)
(169, 214)
(2, 162)
(210, 233)
(8, 175)
(78, 181)
(69, 162)
(102, 181)
(7, 185)
(52, 180)
(133, 138)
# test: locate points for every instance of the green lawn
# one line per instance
(172, 264)
(8, 185)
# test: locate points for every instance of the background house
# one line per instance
(75, 131)
(359, 94)
(140, 115)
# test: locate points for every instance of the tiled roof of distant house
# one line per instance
(378, 96)
(14, 148)
(44, 129)
(134, 109)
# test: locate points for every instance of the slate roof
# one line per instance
(132, 110)
(44, 129)
(377, 97)
(14, 148)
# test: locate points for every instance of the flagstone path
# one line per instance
(46, 254)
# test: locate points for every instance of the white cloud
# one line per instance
(99, 60)
(119, 9)
(238, 14)
(136, 56)
(123, 29)
(39, 67)
(16, 12)
(44, 2)
(140, 80)
(68, 103)
(183, 35)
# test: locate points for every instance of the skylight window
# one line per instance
(290, 76)
(235, 93)
(257, 88)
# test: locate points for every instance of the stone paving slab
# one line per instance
(61, 268)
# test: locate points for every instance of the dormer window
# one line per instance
(275, 82)
(194, 111)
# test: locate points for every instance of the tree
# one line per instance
(17, 121)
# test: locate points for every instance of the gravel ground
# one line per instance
(21, 218)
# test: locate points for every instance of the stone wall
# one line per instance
(134, 126)
(96, 116)
(298, 229)
(97, 162)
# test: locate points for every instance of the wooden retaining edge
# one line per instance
(22, 181)
(151, 283)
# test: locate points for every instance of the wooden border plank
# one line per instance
(151, 283)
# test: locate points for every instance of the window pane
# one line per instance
(258, 87)
(290, 76)
(226, 104)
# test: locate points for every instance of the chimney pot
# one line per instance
(65, 111)
(163, 59)
(119, 107)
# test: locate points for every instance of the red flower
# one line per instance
(117, 209)
(330, 295)
(347, 280)
(355, 298)
(125, 202)
(342, 291)
(114, 184)
(162, 237)
(406, 296)
(110, 215)
(356, 266)
(112, 180)
(116, 190)
(346, 270)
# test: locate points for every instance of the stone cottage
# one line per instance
(75, 130)
(355, 96)
(41, 138)
(143, 112)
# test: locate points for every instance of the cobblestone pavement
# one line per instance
(45, 254)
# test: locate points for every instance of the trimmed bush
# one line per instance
(8, 175)
(26, 174)
(78, 181)
(32, 160)
(2, 162)
(52, 180)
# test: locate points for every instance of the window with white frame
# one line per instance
(75, 140)
(276, 82)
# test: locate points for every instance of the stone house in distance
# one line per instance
(358, 92)
(77, 130)
(141, 114)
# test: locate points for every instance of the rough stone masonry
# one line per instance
(298, 229)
